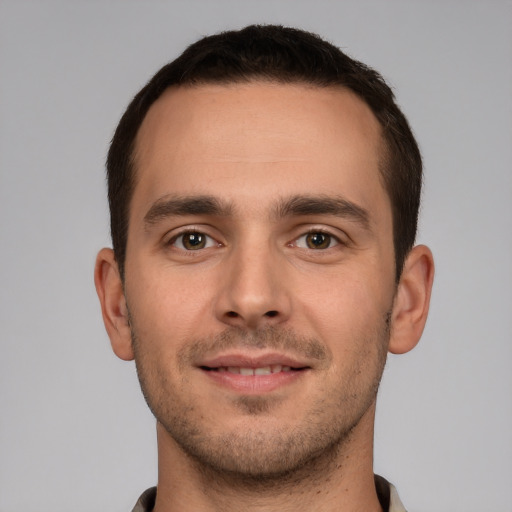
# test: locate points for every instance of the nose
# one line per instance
(254, 290)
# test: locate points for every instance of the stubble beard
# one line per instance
(256, 456)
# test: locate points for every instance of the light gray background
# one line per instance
(75, 433)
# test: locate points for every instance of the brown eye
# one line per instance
(316, 240)
(193, 241)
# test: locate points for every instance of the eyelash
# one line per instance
(319, 231)
(209, 240)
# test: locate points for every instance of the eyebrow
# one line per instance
(298, 205)
(323, 205)
(181, 206)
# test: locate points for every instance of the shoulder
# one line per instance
(388, 495)
(146, 501)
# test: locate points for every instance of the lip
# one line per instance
(253, 384)
(245, 360)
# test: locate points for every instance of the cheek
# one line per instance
(343, 309)
(171, 304)
(166, 306)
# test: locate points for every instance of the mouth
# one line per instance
(253, 375)
(262, 370)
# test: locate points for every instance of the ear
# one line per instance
(109, 288)
(410, 308)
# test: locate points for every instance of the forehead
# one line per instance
(239, 137)
(298, 110)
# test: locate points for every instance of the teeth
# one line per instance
(264, 370)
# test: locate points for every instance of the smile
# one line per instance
(264, 370)
(253, 376)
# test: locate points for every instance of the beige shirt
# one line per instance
(386, 492)
(395, 505)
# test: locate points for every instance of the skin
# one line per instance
(255, 288)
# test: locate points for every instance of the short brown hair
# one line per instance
(284, 55)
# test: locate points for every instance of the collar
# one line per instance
(387, 493)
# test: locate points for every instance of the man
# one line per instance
(264, 192)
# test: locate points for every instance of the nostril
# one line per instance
(271, 313)
(232, 314)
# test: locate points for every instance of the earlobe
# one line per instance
(410, 308)
(109, 288)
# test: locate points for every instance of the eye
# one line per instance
(316, 240)
(193, 241)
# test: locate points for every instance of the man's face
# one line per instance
(260, 271)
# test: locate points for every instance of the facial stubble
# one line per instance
(257, 455)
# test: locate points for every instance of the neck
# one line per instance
(341, 479)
